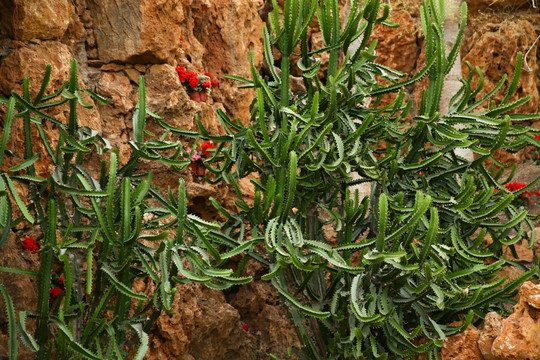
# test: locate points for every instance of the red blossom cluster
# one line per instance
(194, 81)
(54, 293)
(197, 158)
(207, 145)
(30, 244)
(518, 186)
(57, 290)
(537, 137)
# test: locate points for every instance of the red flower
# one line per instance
(182, 73)
(496, 190)
(537, 137)
(515, 186)
(214, 83)
(538, 158)
(193, 79)
(207, 74)
(245, 327)
(207, 145)
(60, 279)
(537, 192)
(206, 85)
(30, 245)
(54, 293)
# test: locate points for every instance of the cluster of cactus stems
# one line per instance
(394, 270)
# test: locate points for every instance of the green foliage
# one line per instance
(106, 220)
(396, 272)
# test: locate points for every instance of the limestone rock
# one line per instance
(494, 47)
(462, 346)
(203, 324)
(31, 61)
(398, 47)
(519, 338)
(504, 4)
(261, 309)
(42, 19)
(136, 31)
(490, 331)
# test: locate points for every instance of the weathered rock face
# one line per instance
(462, 346)
(512, 338)
(494, 48)
(136, 31)
(38, 19)
(518, 338)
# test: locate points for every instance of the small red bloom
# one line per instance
(207, 74)
(496, 190)
(214, 83)
(182, 73)
(54, 293)
(30, 245)
(245, 327)
(421, 173)
(538, 158)
(60, 279)
(206, 85)
(537, 137)
(515, 186)
(193, 80)
(537, 193)
(207, 145)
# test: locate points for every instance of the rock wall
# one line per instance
(116, 42)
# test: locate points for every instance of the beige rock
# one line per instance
(133, 75)
(31, 61)
(398, 48)
(260, 308)
(462, 346)
(494, 47)
(200, 314)
(530, 293)
(42, 19)
(117, 127)
(112, 67)
(136, 30)
(491, 329)
(505, 4)
(519, 338)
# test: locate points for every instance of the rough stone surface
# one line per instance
(493, 47)
(204, 324)
(491, 329)
(41, 19)
(462, 346)
(136, 31)
(518, 338)
(498, 4)
(260, 308)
